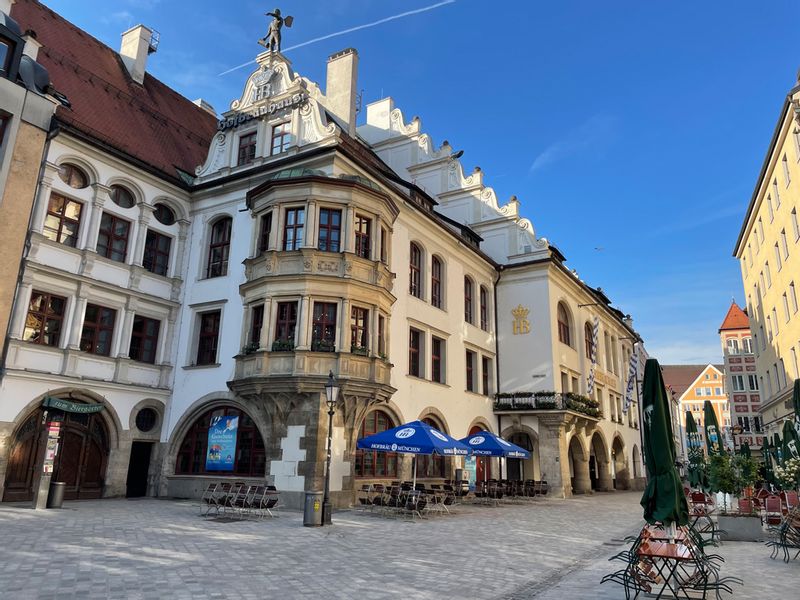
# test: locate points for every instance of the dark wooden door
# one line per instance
(80, 463)
(23, 459)
(138, 469)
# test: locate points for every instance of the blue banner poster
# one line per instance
(222, 443)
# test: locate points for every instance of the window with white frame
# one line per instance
(794, 363)
(733, 346)
(775, 320)
(785, 307)
(793, 297)
(747, 345)
(776, 192)
(778, 261)
(795, 225)
(752, 382)
(784, 244)
(738, 383)
(770, 209)
(767, 274)
(786, 177)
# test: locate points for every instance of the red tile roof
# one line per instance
(150, 122)
(680, 378)
(735, 319)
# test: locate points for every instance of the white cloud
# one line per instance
(595, 133)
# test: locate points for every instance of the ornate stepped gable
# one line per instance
(508, 237)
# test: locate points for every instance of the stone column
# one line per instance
(310, 226)
(43, 198)
(303, 341)
(76, 324)
(605, 482)
(344, 322)
(167, 339)
(553, 455)
(137, 255)
(17, 328)
(348, 230)
(263, 340)
(177, 269)
(373, 330)
(123, 342)
(93, 229)
(583, 483)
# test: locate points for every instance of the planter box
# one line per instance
(741, 528)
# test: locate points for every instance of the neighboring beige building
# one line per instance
(741, 379)
(25, 115)
(769, 255)
(692, 385)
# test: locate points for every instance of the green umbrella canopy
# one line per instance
(791, 444)
(694, 440)
(777, 448)
(663, 499)
(713, 433)
(796, 402)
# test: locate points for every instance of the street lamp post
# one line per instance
(331, 395)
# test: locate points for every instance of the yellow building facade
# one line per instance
(768, 250)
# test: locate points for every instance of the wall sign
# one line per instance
(266, 110)
(521, 324)
(71, 407)
(221, 453)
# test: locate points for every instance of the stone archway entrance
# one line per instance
(621, 476)
(578, 467)
(80, 462)
(599, 468)
(521, 469)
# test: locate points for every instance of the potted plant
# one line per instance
(283, 346)
(787, 475)
(360, 350)
(250, 348)
(732, 475)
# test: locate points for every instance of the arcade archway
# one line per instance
(599, 468)
(579, 467)
(621, 476)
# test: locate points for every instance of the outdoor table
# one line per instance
(666, 559)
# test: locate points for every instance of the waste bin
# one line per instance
(312, 515)
(55, 496)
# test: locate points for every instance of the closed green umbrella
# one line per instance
(791, 444)
(696, 470)
(713, 433)
(663, 499)
(796, 402)
(745, 451)
(769, 475)
(777, 449)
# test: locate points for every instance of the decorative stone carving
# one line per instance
(313, 127)
(216, 156)
(328, 266)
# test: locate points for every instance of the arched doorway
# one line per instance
(482, 468)
(599, 469)
(515, 468)
(81, 460)
(621, 477)
(578, 467)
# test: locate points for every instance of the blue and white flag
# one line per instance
(632, 370)
(595, 330)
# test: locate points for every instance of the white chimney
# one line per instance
(32, 45)
(205, 106)
(5, 6)
(137, 44)
(340, 87)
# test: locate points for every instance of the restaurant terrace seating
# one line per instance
(239, 500)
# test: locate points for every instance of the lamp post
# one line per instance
(331, 395)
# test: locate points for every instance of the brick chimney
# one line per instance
(340, 87)
(137, 45)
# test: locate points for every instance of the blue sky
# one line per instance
(631, 131)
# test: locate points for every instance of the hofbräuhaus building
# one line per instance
(185, 265)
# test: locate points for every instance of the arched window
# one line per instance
(587, 339)
(249, 458)
(436, 282)
(469, 295)
(368, 462)
(219, 248)
(73, 176)
(122, 196)
(484, 308)
(430, 465)
(563, 324)
(415, 271)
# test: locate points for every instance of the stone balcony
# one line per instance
(548, 404)
(305, 365)
(313, 262)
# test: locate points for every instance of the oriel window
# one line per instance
(293, 228)
(359, 320)
(330, 229)
(256, 324)
(363, 229)
(265, 232)
(323, 334)
(286, 322)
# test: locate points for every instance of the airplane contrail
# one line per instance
(351, 29)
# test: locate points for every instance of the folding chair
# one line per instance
(208, 500)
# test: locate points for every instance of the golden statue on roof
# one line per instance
(272, 41)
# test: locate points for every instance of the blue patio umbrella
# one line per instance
(485, 443)
(414, 438)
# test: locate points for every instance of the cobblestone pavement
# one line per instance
(153, 549)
